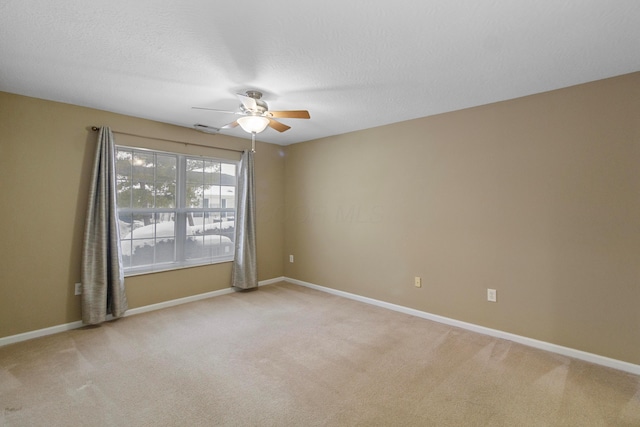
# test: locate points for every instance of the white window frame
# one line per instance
(180, 213)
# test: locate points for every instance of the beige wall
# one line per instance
(537, 197)
(46, 154)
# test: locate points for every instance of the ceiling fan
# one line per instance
(256, 115)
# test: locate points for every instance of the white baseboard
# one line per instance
(40, 333)
(554, 348)
(271, 281)
(131, 312)
(565, 351)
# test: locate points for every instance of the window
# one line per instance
(174, 210)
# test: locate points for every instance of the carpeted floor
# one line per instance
(290, 356)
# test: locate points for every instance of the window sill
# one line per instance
(159, 269)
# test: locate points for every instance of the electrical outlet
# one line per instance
(492, 295)
(417, 282)
(78, 289)
(291, 258)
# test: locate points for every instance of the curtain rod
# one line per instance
(96, 128)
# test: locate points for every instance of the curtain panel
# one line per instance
(245, 271)
(103, 289)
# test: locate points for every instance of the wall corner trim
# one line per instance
(138, 310)
(530, 342)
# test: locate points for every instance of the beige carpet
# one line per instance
(290, 356)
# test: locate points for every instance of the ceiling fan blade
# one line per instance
(291, 114)
(218, 111)
(248, 102)
(280, 127)
(230, 125)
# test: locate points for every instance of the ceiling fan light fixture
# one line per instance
(253, 124)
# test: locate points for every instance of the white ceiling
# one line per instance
(353, 64)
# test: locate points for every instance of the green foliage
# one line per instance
(148, 180)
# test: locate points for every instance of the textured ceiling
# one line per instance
(352, 64)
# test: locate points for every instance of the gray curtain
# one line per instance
(102, 271)
(245, 271)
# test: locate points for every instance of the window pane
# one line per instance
(152, 240)
(123, 173)
(194, 247)
(129, 223)
(123, 164)
(221, 224)
(125, 224)
(213, 245)
(166, 168)
(209, 237)
(212, 223)
(142, 195)
(211, 196)
(195, 235)
(212, 173)
(195, 168)
(143, 166)
(165, 182)
(227, 226)
(195, 223)
(228, 196)
(123, 193)
(165, 244)
(228, 176)
(227, 216)
(207, 246)
(166, 195)
(194, 196)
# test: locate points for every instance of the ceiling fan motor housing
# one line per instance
(261, 106)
